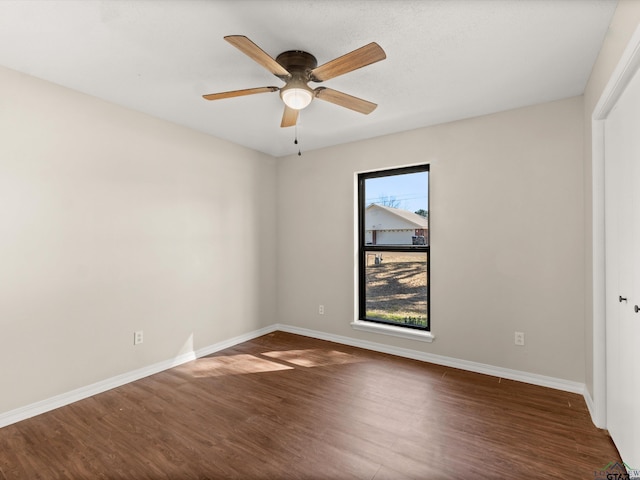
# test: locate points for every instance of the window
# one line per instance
(393, 247)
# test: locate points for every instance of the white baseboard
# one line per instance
(67, 398)
(591, 406)
(531, 378)
(28, 411)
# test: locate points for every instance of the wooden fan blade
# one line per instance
(289, 117)
(250, 49)
(361, 57)
(344, 100)
(239, 93)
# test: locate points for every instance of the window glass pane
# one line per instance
(397, 210)
(396, 287)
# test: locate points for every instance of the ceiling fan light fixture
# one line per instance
(296, 96)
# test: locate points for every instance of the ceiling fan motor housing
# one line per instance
(297, 61)
(296, 93)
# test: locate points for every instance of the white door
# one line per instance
(622, 230)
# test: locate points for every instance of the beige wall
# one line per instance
(112, 221)
(507, 236)
(623, 24)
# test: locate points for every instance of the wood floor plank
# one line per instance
(287, 406)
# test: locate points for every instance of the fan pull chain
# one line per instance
(295, 142)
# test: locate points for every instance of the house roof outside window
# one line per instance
(380, 217)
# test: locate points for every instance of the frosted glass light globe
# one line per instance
(296, 98)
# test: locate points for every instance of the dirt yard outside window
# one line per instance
(396, 285)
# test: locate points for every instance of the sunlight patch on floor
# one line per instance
(234, 365)
(313, 357)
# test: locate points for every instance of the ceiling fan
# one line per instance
(297, 68)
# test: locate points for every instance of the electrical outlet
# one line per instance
(137, 338)
(519, 338)
(321, 309)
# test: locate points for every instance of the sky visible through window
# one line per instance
(408, 191)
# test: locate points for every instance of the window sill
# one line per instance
(401, 332)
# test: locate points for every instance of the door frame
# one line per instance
(627, 66)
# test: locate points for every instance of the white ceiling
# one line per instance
(446, 59)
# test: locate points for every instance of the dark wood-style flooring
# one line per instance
(284, 406)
